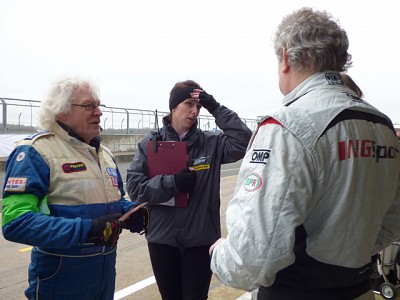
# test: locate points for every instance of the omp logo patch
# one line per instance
(260, 156)
(15, 184)
(73, 167)
(253, 182)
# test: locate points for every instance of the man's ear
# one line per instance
(285, 64)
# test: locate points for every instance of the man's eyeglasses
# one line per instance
(89, 107)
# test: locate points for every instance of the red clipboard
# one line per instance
(168, 158)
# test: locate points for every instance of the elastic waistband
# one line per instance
(81, 251)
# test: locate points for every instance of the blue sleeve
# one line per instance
(40, 230)
(127, 205)
(27, 180)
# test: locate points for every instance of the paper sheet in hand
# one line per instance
(130, 212)
(170, 158)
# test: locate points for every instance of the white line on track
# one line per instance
(149, 281)
(228, 170)
(134, 288)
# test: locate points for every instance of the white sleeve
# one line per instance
(275, 182)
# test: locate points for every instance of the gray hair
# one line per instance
(314, 42)
(59, 99)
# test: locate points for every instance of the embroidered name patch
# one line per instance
(253, 182)
(200, 163)
(201, 167)
(15, 184)
(73, 167)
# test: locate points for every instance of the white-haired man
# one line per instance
(64, 195)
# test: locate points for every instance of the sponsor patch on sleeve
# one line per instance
(260, 156)
(15, 184)
(253, 182)
(113, 175)
(20, 156)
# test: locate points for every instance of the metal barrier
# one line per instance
(20, 116)
(21, 111)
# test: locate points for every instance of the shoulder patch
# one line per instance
(253, 182)
(20, 156)
(260, 156)
(113, 175)
(15, 184)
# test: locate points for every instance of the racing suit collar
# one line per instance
(95, 142)
(311, 82)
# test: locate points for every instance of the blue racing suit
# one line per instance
(55, 185)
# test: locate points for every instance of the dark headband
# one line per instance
(179, 95)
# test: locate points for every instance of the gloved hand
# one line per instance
(138, 221)
(208, 102)
(185, 180)
(105, 230)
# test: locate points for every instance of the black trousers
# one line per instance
(181, 275)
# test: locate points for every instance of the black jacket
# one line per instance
(199, 223)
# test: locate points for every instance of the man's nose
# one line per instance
(97, 111)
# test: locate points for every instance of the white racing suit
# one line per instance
(317, 195)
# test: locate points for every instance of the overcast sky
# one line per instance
(136, 50)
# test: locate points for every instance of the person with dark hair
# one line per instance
(63, 195)
(179, 237)
(318, 192)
